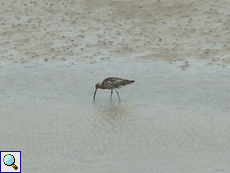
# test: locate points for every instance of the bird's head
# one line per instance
(98, 85)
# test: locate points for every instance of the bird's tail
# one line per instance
(122, 82)
(125, 82)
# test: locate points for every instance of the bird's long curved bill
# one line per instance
(94, 94)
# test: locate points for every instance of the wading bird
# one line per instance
(112, 83)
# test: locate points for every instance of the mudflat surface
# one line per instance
(174, 118)
(90, 30)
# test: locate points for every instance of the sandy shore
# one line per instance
(175, 118)
(90, 30)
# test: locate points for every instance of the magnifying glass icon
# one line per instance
(9, 160)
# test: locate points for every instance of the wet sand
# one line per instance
(174, 118)
(86, 31)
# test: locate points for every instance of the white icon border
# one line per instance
(9, 169)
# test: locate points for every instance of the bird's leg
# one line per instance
(118, 95)
(111, 95)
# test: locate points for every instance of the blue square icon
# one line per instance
(10, 161)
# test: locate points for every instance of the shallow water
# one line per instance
(169, 119)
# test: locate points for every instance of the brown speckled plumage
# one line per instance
(112, 83)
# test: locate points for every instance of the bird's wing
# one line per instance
(114, 82)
